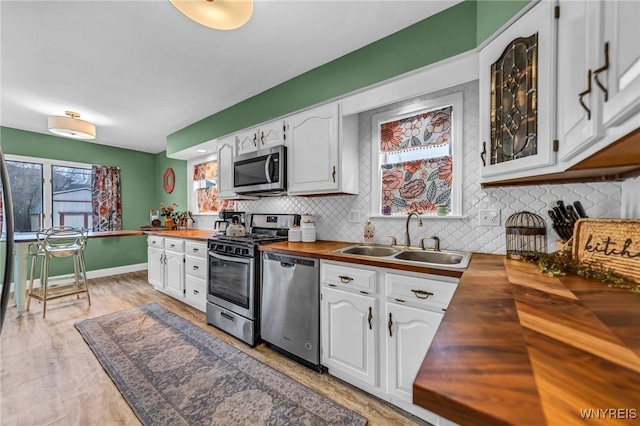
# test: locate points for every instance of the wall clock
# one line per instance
(168, 180)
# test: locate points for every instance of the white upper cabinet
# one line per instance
(265, 136)
(517, 96)
(621, 78)
(579, 55)
(598, 74)
(226, 148)
(322, 152)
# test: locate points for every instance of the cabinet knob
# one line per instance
(195, 268)
(196, 292)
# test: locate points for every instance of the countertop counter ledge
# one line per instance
(517, 347)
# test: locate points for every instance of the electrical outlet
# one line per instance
(354, 216)
(489, 217)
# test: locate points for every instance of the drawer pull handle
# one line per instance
(196, 292)
(390, 324)
(421, 294)
(227, 316)
(400, 300)
(153, 242)
(195, 250)
(483, 153)
(345, 279)
(370, 318)
(585, 93)
(331, 285)
(195, 268)
(173, 245)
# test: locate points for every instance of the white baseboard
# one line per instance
(98, 273)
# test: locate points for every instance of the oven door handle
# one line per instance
(246, 260)
(267, 167)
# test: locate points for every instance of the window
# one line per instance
(417, 158)
(49, 193)
(203, 192)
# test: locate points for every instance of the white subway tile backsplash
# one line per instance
(331, 212)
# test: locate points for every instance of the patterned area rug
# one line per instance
(172, 372)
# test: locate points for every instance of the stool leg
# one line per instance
(83, 269)
(33, 272)
(75, 272)
(44, 281)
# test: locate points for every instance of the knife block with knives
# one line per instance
(564, 217)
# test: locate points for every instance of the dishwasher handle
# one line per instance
(287, 265)
(292, 261)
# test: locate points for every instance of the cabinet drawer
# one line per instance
(195, 267)
(192, 248)
(174, 245)
(195, 292)
(348, 278)
(156, 242)
(419, 292)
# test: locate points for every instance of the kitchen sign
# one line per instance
(613, 243)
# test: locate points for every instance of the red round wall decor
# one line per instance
(168, 180)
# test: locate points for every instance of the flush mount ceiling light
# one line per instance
(216, 14)
(71, 126)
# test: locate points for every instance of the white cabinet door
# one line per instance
(409, 335)
(348, 324)
(622, 79)
(313, 151)
(265, 136)
(246, 141)
(579, 54)
(174, 273)
(514, 110)
(155, 267)
(195, 292)
(271, 134)
(225, 167)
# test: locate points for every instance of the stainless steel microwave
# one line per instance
(261, 172)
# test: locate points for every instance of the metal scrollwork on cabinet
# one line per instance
(514, 97)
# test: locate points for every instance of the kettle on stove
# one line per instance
(236, 229)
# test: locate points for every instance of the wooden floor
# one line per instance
(49, 376)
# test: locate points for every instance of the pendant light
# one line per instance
(71, 126)
(216, 14)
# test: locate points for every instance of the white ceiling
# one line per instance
(140, 70)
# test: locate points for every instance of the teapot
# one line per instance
(236, 229)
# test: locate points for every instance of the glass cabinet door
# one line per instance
(517, 97)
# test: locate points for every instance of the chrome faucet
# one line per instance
(407, 238)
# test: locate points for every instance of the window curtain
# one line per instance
(106, 199)
(429, 128)
(420, 185)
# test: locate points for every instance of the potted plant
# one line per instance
(167, 212)
(181, 219)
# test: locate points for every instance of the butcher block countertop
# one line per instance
(189, 234)
(517, 347)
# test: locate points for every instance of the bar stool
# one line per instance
(58, 242)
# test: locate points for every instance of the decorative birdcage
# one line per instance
(526, 236)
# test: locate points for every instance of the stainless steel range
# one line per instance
(233, 296)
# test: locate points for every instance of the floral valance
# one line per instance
(420, 185)
(208, 170)
(424, 129)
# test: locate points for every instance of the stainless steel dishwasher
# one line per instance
(290, 317)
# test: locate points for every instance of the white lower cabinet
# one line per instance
(171, 271)
(349, 340)
(375, 336)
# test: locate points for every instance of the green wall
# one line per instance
(179, 193)
(446, 34)
(138, 190)
(492, 14)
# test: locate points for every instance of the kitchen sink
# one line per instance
(377, 251)
(449, 259)
(443, 258)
